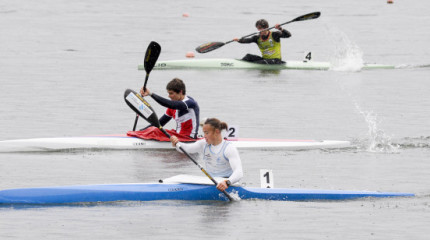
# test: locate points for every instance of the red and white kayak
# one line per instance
(124, 142)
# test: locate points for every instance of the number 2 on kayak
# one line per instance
(233, 131)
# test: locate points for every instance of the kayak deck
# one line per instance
(225, 63)
(181, 191)
(124, 142)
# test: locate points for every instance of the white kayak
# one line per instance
(124, 142)
(225, 63)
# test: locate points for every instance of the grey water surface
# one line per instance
(64, 66)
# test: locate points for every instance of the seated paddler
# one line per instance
(180, 107)
(269, 43)
(220, 157)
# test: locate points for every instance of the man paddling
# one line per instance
(268, 42)
(220, 156)
(184, 109)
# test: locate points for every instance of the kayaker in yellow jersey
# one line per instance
(269, 43)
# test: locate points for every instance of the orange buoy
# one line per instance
(185, 15)
(189, 55)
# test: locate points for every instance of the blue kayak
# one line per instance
(179, 191)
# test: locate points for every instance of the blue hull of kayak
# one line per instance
(152, 192)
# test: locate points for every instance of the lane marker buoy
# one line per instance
(189, 55)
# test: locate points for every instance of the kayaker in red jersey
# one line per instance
(221, 158)
(268, 42)
(181, 107)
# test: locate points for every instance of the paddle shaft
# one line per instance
(135, 122)
(144, 88)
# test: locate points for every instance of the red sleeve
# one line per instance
(170, 112)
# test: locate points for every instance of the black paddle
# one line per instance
(151, 56)
(207, 47)
(144, 109)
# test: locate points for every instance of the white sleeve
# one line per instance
(195, 147)
(236, 164)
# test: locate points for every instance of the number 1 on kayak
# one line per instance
(266, 178)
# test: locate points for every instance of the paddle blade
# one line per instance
(138, 104)
(308, 16)
(207, 47)
(151, 56)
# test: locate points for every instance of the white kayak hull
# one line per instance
(225, 63)
(124, 142)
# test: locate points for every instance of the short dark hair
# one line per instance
(262, 23)
(176, 85)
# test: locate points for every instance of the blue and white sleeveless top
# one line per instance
(217, 164)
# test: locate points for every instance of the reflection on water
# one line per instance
(269, 73)
(154, 165)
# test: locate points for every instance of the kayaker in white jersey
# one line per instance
(221, 158)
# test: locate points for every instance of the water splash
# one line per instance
(377, 140)
(233, 194)
(347, 56)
